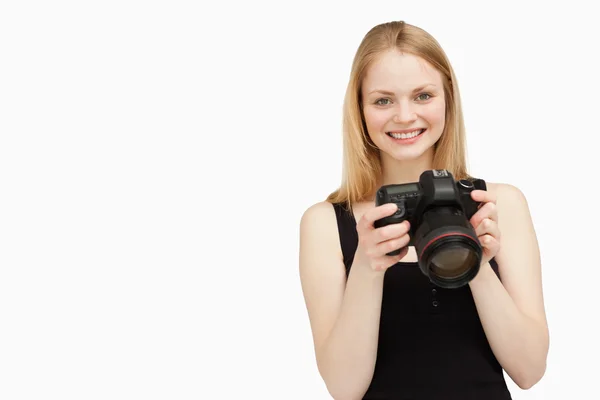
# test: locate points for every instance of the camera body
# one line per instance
(436, 188)
(438, 209)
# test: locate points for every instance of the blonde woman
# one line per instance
(381, 328)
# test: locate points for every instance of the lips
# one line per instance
(398, 134)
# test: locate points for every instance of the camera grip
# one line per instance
(398, 217)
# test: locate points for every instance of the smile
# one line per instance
(404, 136)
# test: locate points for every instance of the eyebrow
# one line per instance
(387, 93)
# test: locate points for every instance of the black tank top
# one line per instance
(431, 342)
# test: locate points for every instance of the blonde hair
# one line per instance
(361, 159)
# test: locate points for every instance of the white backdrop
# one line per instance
(156, 158)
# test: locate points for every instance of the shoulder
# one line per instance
(318, 209)
(519, 241)
(318, 214)
(319, 223)
(508, 197)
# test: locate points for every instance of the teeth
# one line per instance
(406, 135)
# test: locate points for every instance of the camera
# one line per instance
(438, 209)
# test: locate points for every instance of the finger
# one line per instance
(388, 246)
(490, 243)
(391, 231)
(489, 210)
(385, 262)
(483, 196)
(486, 240)
(369, 217)
(488, 228)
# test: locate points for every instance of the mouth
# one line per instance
(406, 135)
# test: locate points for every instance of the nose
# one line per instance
(404, 114)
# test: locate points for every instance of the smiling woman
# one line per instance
(381, 329)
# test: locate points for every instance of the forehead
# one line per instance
(398, 71)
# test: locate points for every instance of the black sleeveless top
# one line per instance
(431, 342)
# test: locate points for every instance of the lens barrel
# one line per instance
(449, 251)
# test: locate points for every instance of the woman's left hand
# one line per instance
(485, 223)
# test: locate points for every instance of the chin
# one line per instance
(407, 154)
(406, 157)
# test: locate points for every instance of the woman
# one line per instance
(381, 329)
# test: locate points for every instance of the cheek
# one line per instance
(436, 114)
(376, 119)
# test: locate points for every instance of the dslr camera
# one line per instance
(438, 209)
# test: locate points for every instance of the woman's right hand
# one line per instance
(375, 243)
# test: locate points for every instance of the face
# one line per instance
(402, 97)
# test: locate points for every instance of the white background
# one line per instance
(156, 158)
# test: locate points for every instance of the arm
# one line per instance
(512, 311)
(344, 316)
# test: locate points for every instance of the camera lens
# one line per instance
(449, 252)
(452, 261)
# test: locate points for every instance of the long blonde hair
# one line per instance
(361, 159)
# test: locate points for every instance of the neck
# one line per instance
(405, 171)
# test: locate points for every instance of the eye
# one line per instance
(421, 98)
(379, 102)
